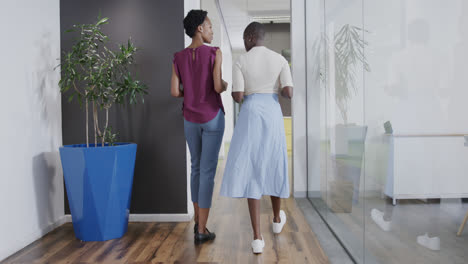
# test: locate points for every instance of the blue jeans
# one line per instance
(204, 141)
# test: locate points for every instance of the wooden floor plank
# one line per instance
(173, 242)
(148, 253)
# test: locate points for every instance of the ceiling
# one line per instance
(239, 13)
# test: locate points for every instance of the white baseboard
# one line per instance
(153, 217)
(68, 218)
(315, 194)
(300, 194)
(18, 244)
(160, 217)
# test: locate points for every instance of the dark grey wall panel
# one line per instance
(277, 38)
(160, 184)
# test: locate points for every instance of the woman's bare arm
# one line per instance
(238, 96)
(287, 92)
(175, 84)
(217, 75)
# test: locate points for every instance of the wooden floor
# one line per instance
(173, 242)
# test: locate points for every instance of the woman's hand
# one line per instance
(225, 84)
(238, 96)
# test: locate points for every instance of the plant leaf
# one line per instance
(102, 21)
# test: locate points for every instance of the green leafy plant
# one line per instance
(94, 74)
(109, 137)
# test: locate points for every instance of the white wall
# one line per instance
(31, 182)
(239, 13)
(313, 93)
(221, 40)
(298, 109)
(236, 17)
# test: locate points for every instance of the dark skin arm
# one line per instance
(287, 92)
(238, 96)
(175, 85)
(219, 84)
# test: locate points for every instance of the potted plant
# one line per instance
(98, 177)
(348, 48)
(349, 52)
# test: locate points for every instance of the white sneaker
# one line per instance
(258, 245)
(377, 216)
(432, 243)
(277, 227)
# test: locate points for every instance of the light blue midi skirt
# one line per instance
(257, 162)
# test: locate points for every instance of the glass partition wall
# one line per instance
(386, 119)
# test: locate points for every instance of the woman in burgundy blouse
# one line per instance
(196, 77)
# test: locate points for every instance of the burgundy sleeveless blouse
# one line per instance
(201, 101)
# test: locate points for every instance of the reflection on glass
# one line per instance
(393, 162)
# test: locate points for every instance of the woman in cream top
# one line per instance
(261, 71)
(257, 162)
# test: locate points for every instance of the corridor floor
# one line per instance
(173, 242)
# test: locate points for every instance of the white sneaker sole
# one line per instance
(257, 250)
(258, 245)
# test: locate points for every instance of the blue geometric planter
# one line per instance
(99, 185)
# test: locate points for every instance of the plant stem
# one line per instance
(95, 126)
(76, 89)
(96, 121)
(107, 125)
(87, 126)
